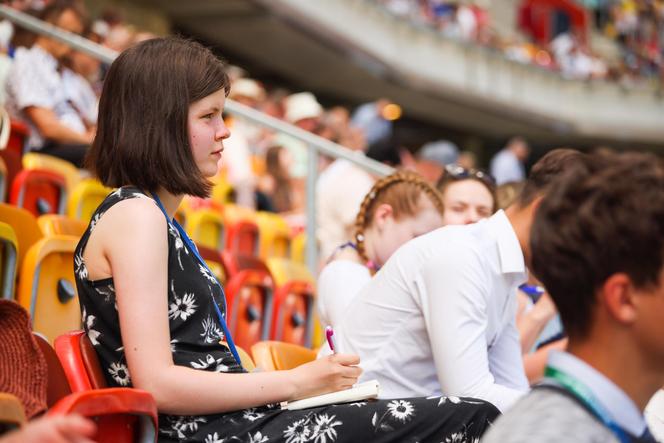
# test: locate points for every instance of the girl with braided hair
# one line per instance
(397, 209)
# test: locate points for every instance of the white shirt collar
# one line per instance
(48, 58)
(614, 400)
(509, 249)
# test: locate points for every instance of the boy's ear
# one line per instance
(617, 295)
(381, 214)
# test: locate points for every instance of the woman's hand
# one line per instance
(328, 374)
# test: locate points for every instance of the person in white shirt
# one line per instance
(35, 91)
(507, 165)
(598, 246)
(398, 208)
(439, 317)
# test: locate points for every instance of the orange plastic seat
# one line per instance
(25, 227)
(18, 137)
(39, 191)
(4, 173)
(278, 356)
(47, 288)
(56, 224)
(8, 260)
(245, 358)
(86, 196)
(294, 299)
(274, 235)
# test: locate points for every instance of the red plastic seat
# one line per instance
(14, 165)
(125, 414)
(242, 237)
(18, 137)
(293, 313)
(39, 191)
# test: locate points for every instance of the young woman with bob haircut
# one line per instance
(152, 309)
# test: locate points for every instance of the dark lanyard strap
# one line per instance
(586, 397)
(194, 250)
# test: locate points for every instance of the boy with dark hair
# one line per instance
(440, 317)
(598, 247)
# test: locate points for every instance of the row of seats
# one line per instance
(272, 299)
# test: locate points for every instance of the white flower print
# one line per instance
(251, 414)
(257, 438)
(214, 438)
(206, 273)
(298, 432)
(108, 292)
(181, 307)
(359, 404)
(179, 245)
(79, 267)
(457, 437)
(324, 428)
(210, 362)
(401, 410)
(120, 373)
(211, 334)
(95, 220)
(88, 321)
(186, 424)
(173, 343)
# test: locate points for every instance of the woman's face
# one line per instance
(207, 131)
(465, 202)
(394, 233)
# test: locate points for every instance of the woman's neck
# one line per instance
(370, 239)
(169, 201)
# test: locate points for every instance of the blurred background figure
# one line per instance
(508, 165)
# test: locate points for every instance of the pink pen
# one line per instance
(329, 334)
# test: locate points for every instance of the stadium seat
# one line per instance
(18, 137)
(39, 191)
(249, 294)
(298, 248)
(46, 286)
(12, 415)
(206, 227)
(13, 166)
(25, 227)
(56, 224)
(3, 180)
(245, 358)
(34, 160)
(241, 230)
(86, 196)
(274, 235)
(8, 260)
(278, 356)
(293, 308)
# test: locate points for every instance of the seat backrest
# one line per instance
(274, 235)
(80, 362)
(39, 191)
(25, 227)
(8, 260)
(58, 224)
(47, 287)
(249, 296)
(283, 355)
(235, 262)
(3, 180)
(34, 160)
(86, 196)
(206, 227)
(242, 237)
(298, 248)
(13, 165)
(18, 137)
(57, 386)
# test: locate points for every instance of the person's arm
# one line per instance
(50, 128)
(531, 323)
(454, 296)
(138, 258)
(505, 357)
(535, 363)
(58, 429)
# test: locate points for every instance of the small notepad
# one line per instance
(361, 391)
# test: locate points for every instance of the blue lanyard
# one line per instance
(585, 396)
(194, 250)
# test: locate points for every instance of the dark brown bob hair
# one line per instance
(142, 134)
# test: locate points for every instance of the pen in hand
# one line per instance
(329, 334)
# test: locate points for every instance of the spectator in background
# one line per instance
(376, 119)
(433, 157)
(36, 91)
(468, 195)
(598, 247)
(277, 184)
(339, 192)
(508, 164)
(303, 111)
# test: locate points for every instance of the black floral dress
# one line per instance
(195, 335)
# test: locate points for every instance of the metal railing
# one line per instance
(316, 145)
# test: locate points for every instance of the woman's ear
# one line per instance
(381, 214)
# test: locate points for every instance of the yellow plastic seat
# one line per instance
(206, 227)
(284, 270)
(56, 224)
(34, 160)
(234, 213)
(8, 260)
(47, 289)
(12, 415)
(278, 356)
(222, 190)
(245, 358)
(299, 248)
(25, 227)
(84, 199)
(274, 235)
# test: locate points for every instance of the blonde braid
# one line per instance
(365, 215)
